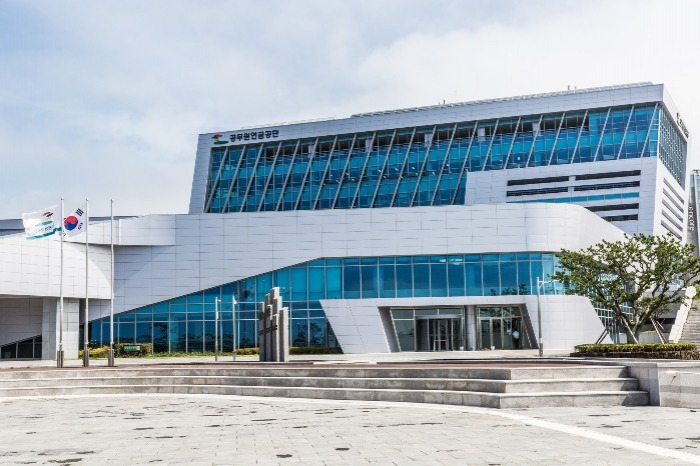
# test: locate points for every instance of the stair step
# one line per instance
(527, 385)
(490, 373)
(475, 385)
(468, 398)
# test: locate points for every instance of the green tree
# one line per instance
(643, 274)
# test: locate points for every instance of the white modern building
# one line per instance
(417, 229)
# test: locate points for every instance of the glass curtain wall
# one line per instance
(24, 349)
(424, 166)
(187, 323)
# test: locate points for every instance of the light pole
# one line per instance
(216, 329)
(233, 323)
(539, 314)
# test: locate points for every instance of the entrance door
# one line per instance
(438, 333)
(497, 333)
(441, 335)
(498, 327)
(491, 333)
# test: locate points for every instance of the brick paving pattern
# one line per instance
(213, 430)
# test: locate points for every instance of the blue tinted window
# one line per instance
(421, 280)
(186, 323)
(455, 277)
(351, 282)
(333, 282)
(369, 281)
(387, 281)
(404, 281)
(428, 169)
(509, 280)
(438, 279)
(316, 283)
(492, 285)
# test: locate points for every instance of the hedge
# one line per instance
(147, 351)
(119, 352)
(635, 348)
(95, 353)
(686, 351)
(314, 350)
(294, 350)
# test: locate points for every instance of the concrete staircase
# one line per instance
(488, 386)
(691, 329)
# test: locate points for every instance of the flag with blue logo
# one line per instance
(41, 223)
(75, 222)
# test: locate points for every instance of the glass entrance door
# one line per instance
(501, 328)
(438, 333)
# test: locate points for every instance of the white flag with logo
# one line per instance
(41, 223)
(75, 222)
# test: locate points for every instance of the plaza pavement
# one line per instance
(213, 430)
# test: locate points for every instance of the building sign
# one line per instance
(132, 348)
(693, 215)
(218, 139)
(691, 218)
(679, 120)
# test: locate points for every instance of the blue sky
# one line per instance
(106, 99)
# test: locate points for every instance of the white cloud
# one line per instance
(116, 94)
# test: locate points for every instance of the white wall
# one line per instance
(207, 250)
(491, 186)
(20, 318)
(32, 268)
(214, 249)
(566, 320)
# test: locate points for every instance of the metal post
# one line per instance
(59, 353)
(539, 319)
(216, 329)
(233, 322)
(86, 351)
(110, 354)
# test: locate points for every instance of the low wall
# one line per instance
(671, 384)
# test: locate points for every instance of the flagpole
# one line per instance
(86, 351)
(59, 354)
(110, 355)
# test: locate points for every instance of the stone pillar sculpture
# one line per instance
(274, 328)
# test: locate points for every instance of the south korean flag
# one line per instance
(75, 223)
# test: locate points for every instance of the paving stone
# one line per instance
(183, 429)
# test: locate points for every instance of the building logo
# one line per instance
(217, 139)
(46, 218)
(70, 222)
(41, 223)
(679, 120)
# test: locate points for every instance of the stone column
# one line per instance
(50, 328)
(471, 328)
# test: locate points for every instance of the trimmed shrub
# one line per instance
(96, 353)
(686, 351)
(293, 350)
(314, 350)
(635, 348)
(147, 351)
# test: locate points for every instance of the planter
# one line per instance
(691, 355)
